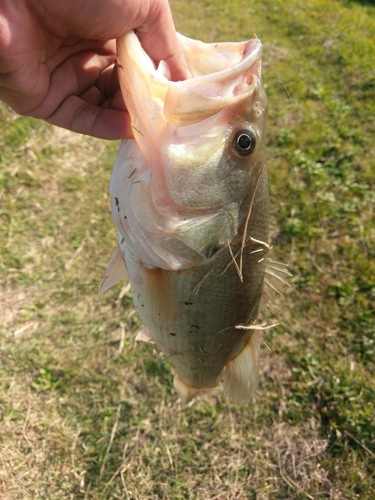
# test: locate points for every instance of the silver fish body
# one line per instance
(189, 198)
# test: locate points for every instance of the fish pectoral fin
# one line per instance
(187, 392)
(115, 272)
(242, 372)
(209, 233)
(276, 275)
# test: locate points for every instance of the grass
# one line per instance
(87, 414)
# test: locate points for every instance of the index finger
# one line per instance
(159, 39)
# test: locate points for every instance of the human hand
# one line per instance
(57, 59)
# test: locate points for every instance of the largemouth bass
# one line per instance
(189, 199)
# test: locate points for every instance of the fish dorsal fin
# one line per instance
(115, 272)
(242, 372)
(276, 274)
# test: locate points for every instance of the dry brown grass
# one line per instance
(87, 414)
(63, 434)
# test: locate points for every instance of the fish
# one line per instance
(189, 198)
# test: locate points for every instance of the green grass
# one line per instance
(85, 413)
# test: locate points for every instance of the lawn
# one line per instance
(87, 413)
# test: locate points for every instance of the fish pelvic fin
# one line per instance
(143, 335)
(159, 292)
(241, 374)
(187, 392)
(115, 272)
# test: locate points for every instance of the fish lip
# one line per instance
(253, 50)
(203, 96)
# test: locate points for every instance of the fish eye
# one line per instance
(244, 142)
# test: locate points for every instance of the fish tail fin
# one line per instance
(241, 374)
(187, 392)
(115, 272)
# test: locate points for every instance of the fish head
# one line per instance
(198, 149)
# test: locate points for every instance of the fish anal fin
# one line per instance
(241, 373)
(187, 392)
(115, 272)
(159, 293)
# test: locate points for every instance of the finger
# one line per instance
(80, 116)
(61, 51)
(75, 99)
(95, 96)
(152, 20)
(108, 81)
(159, 39)
(73, 77)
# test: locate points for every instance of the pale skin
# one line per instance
(58, 58)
